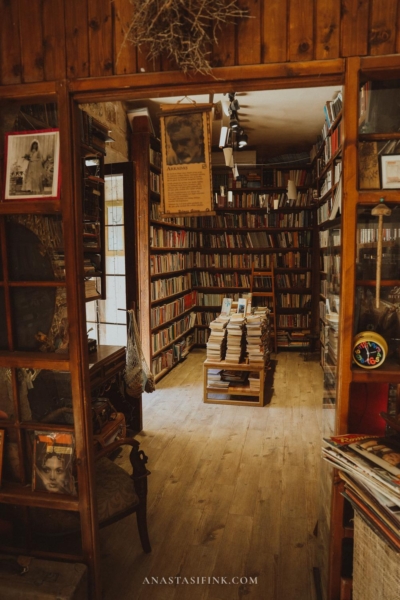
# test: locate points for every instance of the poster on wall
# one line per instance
(186, 159)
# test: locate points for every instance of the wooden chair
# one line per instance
(118, 493)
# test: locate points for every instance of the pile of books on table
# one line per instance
(236, 339)
(369, 465)
(254, 382)
(214, 379)
(254, 338)
(216, 345)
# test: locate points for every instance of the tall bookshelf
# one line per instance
(256, 223)
(166, 248)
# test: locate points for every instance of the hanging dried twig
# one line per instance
(181, 30)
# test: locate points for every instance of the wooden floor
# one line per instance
(233, 492)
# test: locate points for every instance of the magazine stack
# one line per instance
(370, 468)
(254, 337)
(214, 379)
(216, 345)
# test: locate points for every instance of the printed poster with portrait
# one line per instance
(54, 462)
(186, 159)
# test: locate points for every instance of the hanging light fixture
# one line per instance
(241, 139)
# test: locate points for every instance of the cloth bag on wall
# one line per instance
(138, 377)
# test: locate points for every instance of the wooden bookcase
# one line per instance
(249, 229)
(42, 328)
(358, 195)
(166, 250)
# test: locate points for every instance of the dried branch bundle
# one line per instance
(181, 29)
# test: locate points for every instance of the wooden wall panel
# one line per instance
(354, 27)
(145, 65)
(10, 51)
(301, 30)
(100, 38)
(54, 40)
(249, 34)
(275, 23)
(125, 53)
(224, 52)
(327, 29)
(31, 37)
(77, 40)
(382, 31)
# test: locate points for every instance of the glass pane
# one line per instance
(379, 106)
(114, 335)
(116, 299)
(40, 320)
(114, 193)
(35, 248)
(115, 265)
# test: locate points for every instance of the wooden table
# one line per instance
(254, 397)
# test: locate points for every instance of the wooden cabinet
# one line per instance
(370, 126)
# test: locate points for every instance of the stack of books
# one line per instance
(236, 340)
(254, 338)
(254, 382)
(214, 379)
(216, 345)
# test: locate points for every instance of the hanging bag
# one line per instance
(138, 377)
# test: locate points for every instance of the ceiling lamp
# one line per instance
(241, 139)
(234, 122)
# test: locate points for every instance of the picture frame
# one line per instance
(242, 306)
(390, 171)
(32, 165)
(226, 307)
(54, 462)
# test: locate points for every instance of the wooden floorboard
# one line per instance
(233, 492)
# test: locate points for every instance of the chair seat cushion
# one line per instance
(115, 490)
(115, 494)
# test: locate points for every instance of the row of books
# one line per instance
(297, 320)
(169, 334)
(155, 158)
(155, 182)
(331, 263)
(205, 299)
(171, 261)
(167, 238)
(292, 339)
(169, 357)
(205, 318)
(93, 133)
(296, 280)
(166, 312)
(207, 279)
(156, 214)
(332, 109)
(162, 288)
(246, 220)
(369, 235)
(290, 300)
(332, 207)
(244, 261)
(256, 239)
(201, 336)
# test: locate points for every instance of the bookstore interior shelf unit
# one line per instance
(94, 136)
(41, 290)
(369, 299)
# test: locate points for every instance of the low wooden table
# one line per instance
(255, 397)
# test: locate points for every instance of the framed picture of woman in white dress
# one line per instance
(32, 165)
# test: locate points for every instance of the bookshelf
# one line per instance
(256, 223)
(93, 149)
(166, 247)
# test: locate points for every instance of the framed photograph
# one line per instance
(32, 165)
(242, 306)
(53, 462)
(186, 159)
(390, 167)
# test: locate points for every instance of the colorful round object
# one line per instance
(369, 350)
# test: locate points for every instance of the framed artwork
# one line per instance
(390, 167)
(32, 165)
(186, 159)
(53, 462)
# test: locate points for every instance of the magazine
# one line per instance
(53, 462)
(226, 306)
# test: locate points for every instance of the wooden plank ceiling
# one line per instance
(41, 40)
